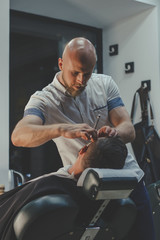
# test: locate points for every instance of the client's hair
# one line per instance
(106, 153)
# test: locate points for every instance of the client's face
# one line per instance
(85, 152)
(84, 149)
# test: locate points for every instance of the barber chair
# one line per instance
(58, 216)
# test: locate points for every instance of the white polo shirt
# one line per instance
(54, 105)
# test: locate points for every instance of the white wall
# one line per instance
(4, 91)
(138, 41)
(159, 26)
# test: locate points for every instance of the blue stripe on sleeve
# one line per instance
(114, 103)
(34, 111)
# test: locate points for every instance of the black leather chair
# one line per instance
(59, 217)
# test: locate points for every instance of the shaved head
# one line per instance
(76, 65)
(82, 49)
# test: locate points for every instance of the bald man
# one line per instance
(66, 110)
(76, 67)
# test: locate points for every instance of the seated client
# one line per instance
(104, 153)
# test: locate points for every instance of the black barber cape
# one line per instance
(12, 201)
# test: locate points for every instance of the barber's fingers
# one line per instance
(89, 135)
(78, 131)
(113, 132)
(107, 131)
(102, 132)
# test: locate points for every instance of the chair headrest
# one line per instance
(107, 183)
(107, 173)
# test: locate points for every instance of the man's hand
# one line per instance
(29, 132)
(122, 126)
(107, 131)
(83, 131)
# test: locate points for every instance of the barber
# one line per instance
(66, 111)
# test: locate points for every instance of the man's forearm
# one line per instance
(34, 135)
(126, 132)
(31, 134)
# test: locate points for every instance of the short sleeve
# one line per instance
(114, 99)
(36, 106)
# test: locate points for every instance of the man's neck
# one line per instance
(76, 169)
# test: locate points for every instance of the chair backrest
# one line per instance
(46, 218)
